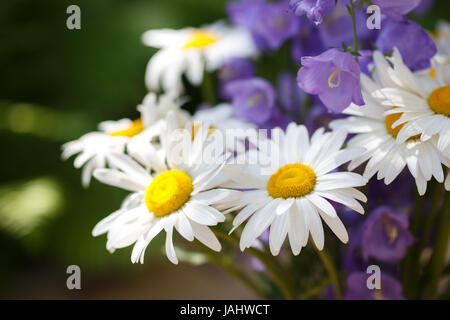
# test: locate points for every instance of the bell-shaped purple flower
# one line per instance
(334, 76)
(385, 235)
(396, 9)
(234, 69)
(313, 9)
(269, 22)
(244, 12)
(357, 288)
(306, 42)
(423, 8)
(275, 24)
(337, 28)
(414, 44)
(253, 99)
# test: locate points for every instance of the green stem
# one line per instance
(231, 269)
(277, 274)
(332, 271)
(316, 290)
(430, 217)
(355, 35)
(208, 89)
(410, 269)
(437, 262)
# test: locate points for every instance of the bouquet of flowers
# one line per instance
(259, 131)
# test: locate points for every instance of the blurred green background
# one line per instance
(55, 85)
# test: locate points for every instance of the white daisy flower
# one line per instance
(114, 137)
(178, 195)
(373, 129)
(221, 117)
(422, 103)
(293, 197)
(447, 182)
(442, 39)
(190, 51)
(154, 110)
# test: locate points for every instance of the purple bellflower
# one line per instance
(357, 288)
(334, 76)
(385, 235)
(253, 99)
(423, 8)
(396, 9)
(414, 44)
(269, 23)
(313, 9)
(234, 69)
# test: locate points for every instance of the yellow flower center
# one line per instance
(200, 39)
(391, 231)
(389, 121)
(197, 126)
(378, 295)
(136, 127)
(292, 181)
(168, 192)
(335, 73)
(432, 73)
(439, 101)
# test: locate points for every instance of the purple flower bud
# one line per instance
(396, 9)
(357, 289)
(253, 99)
(414, 44)
(334, 76)
(314, 9)
(385, 235)
(234, 69)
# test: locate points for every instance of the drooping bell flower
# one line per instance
(313, 9)
(234, 69)
(334, 76)
(253, 99)
(385, 235)
(357, 289)
(415, 45)
(396, 9)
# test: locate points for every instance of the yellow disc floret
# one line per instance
(439, 101)
(196, 127)
(168, 192)
(389, 121)
(292, 181)
(136, 127)
(200, 39)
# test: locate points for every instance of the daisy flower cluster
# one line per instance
(274, 152)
